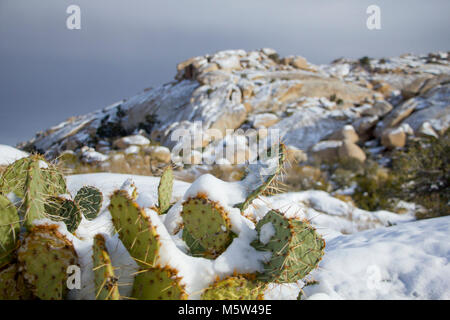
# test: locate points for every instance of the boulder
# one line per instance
(426, 130)
(379, 109)
(394, 138)
(265, 120)
(347, 132)
(326, 150)
(160, 153)
(349, 150)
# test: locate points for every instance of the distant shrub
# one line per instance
(365, 61)
(376, 188)
(423, 170)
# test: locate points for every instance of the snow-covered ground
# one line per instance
(409, 260)
(9, 154)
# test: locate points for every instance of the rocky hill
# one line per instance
(314, 107)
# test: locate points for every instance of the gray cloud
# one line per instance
(49, 73)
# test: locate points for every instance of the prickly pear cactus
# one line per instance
(207, 224)
(235, 288)
(64, 210)
(295, 245)
(12, 285)
(9, 230)
(44, 258)
(261, 177)
(105, 281)
(165, 190)
(158, 284)
(135, 229)
(90, 200)
(33, 180)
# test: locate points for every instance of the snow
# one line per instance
(136, 140)
(408, 261)
(132, 150)
(266, 233)
(9, 154)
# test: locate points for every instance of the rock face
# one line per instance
(237, 89)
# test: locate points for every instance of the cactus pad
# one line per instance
(207, 222)
(260, 177)
(9, 230)
(165, 190)
(14, 178)
(90, 200)
(105, 281)
(296, 248)
(65, 210)
(33, 180)
(135, 229)
(12, 285)
(158, 284)
(235, 288)
(44, 258)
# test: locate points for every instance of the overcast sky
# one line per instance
(49, 73)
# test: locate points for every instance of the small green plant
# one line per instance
(423, 170)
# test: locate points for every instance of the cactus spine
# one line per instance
(105, 280)
(263, 178)
(235, 288)
(9, 230)
(158, 284)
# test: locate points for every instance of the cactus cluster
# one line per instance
(34, 257)
(294, 246)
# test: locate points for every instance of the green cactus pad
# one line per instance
(296, 248)
(158, 284)
(14, 178)
(33, 180)
(64, 210)
(259, 178)
(194, 245)
(208, 224)
(165, 190)
(135, 229)
(44, 258)
(12, 285)
(235, 288)
(9, 230)
(106, 287)
(90, 200)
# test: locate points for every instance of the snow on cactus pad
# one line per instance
(296, 248)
